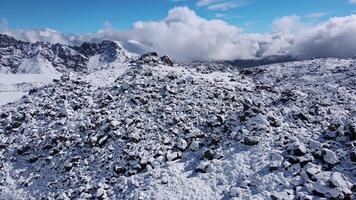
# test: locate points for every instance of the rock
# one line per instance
(208, 154)
(203, 167)
(167, 60)
(352, 130)
(302, 117)
(329, 156)
(315, 145)
(300, 149)
(101, 194)
(276, 160)
(294, 169)
(274, 121)
(102, 140)
(194, 146)
(251, 141)
(312, 169)
(353, 155)
(119, 169)
(338, 181)
(4, 115)
(235, 192)
(321, 188)
(182, 144)
(280, 196)
(16, 124)
(23, 150)
(171, 156)
(297, 181)
(114, 124)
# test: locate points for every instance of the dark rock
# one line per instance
(16, 124)
(23, 150)
(167, 61)
(251, 141)
(4, 115)
(120, 169)
(353, 156)
(208, 154)
(352, 130)
(300, 150)
(302, 117)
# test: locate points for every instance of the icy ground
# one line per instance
(144, 131)
(14, 86)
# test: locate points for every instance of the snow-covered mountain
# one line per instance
(23, 57)
(152, 129)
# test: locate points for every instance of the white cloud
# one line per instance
(288, 24)
(34, 35)
(184, 35)
(221, 5)
(316, 15)
(182, 30)
(334, 38)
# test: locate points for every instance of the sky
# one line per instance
(84, 16)
(191, 29)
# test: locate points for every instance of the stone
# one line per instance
(312, 169)
(276, 160)
(208, 154)
(194, 146)
(114, 124)
(300, 149)
(353, 155)
(235, 192)
(167, 60)
(329, 156)
(251, 141)
(280, 196)
(119, 169)
(202, 167)
(182, 144)
(294, 169)
(338, 181)
(171, 155)
(352, 130)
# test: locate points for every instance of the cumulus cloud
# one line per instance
(334, 38)
(35, 35)
(186, 36)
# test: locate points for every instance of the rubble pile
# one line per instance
(283, 131)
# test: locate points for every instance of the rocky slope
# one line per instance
(22, 57)
(154, 131)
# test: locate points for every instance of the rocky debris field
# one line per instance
(282, 131)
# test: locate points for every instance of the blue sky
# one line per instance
(84, 16)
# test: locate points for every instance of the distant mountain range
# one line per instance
(23, 57)
(17, 56)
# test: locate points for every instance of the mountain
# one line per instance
(23, 57)
(242, 63)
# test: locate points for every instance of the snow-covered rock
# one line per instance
(153, 131)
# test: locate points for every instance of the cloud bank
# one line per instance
(185, 36)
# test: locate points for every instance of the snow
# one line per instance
(94, 63)
(8, 97)
(36, 65)
(14, 86)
